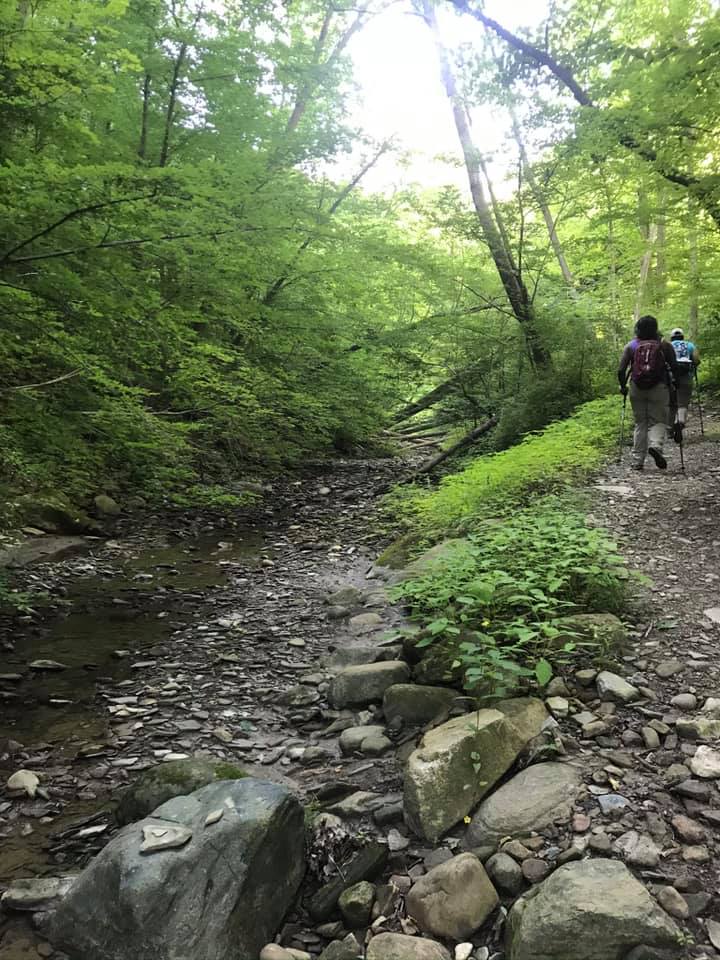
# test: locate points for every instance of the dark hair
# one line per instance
(646, 328)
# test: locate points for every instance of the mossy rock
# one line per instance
(438, 558)
(439, 664)
(54, 514)
(167, 780)
(397, 554)
(603, 631)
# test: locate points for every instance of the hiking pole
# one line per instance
(699, 404)
(622, 427)
(682, 457)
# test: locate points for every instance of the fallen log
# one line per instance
(462, 444)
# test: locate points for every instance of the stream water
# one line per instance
(121, 605)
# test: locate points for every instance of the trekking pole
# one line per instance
(622, 428)
(682, 457)
(699, 404)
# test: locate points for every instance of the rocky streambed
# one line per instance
(577, 823)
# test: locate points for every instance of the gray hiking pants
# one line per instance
(651, 410)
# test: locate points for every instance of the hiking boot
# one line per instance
(660, 461)
(678, 432)
(637, 467)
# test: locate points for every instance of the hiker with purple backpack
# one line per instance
(652, 367)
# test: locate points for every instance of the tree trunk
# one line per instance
(463, 444)
(694, 275)
(172, 104)
(142, 145)
(648, 231)
(539, 199)
(513, 285)
(427, 400)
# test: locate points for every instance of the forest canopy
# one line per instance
(194, 288)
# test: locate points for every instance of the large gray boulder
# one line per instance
(454, 899)
(588, 910)
(531, 800)
(365, 683)
(457, 763)
(417, 704)
(398, 946)
(221, 894)
(167, 780)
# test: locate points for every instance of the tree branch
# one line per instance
(111, 244)
(539, 56)
(703, 193)
(72, 215)
(45, 383)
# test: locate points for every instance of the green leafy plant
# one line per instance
(505, 591)
(496, 484)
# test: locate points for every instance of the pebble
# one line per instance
(396, 841)
(706, 763)
(600, 843)
(698, 902)
(558, 707)
(668, 668)
(631, 738)
(596, 728)
(557, 688)
(684, 701)
(695, 854)
(516, 850)
(49, 665)
(463, 951)
(438, 856)
(585, 677)
(535, 870)
(169, 837)
(584, 717)
(505, 873)
(659, 727)
(650, 738)
(24, 780)
(673, 903)
(580, 822)
(638, 850)
(613, 805)
(273, 951)
(693, 789)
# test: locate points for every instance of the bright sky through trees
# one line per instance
(401, 95)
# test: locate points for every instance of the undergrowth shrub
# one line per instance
(494, 485)
(504, 591)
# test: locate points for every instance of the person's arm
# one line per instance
(695, 356)
(625, 361)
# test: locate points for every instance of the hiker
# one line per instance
(687, 356)
(651, 364)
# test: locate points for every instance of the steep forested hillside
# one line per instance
(193, 287)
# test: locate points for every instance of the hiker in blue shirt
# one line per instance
(687, 357)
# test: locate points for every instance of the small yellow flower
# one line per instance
(486, 623)
(467, 819)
